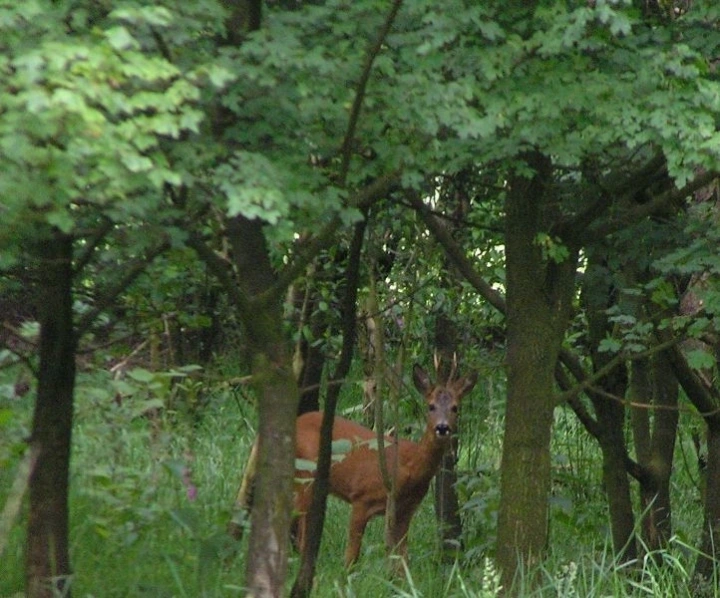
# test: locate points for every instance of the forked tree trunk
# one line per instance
(539, 295)
(47, 558)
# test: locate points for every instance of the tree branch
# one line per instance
(346, 150)
(456, 253)
(587, 382)
(704, 398)
(655, 205)
(222, 269)
(134, 269)
(89, 249)
(362, 200)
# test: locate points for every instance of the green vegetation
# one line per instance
(211, 211)
(139, 530)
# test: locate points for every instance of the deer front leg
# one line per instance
(358, 521)
(396, 537)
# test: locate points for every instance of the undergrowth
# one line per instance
(152, 491)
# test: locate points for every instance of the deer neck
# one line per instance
(430, 451)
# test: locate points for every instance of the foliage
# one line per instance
(133, 126)
(137, 530)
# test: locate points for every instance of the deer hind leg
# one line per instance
(303, 499)
(244, 500)
(358, 521)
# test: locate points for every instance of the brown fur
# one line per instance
(357, 479)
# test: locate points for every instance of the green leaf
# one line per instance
(305, 465)
(141, 375)
(609, 345)
(699, 359)
(121, 39)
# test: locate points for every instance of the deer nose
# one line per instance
(442, 430)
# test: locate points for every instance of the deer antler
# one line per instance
(453, 368)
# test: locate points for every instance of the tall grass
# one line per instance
(152, 494)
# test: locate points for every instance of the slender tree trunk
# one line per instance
(598, 296)
(447, 504)
(706, 565)
(309, 357)
(321, 486)
(706, 399)
(47, 558)
(539, 294)
(654, 384)
(665, 421)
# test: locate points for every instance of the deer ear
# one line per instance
(465, 384)
(421, 379)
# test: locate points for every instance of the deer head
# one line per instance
(443, 400)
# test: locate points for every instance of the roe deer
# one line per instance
(357, 479)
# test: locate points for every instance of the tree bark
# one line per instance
(665, 421)
(539, 294)
(654, 384)
(48, 571)
(266, 564)
(597, 295)
(447, 504)
(260, 309)
(321, 485)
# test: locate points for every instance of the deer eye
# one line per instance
(454, 408)
(431, 407)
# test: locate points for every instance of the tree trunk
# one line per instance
(706, 565)
(539, 294)
(321, 485)
(447, 504)
(266, 565)
(598, 296)
(309, 358)
(654, 384)
(47, 559)
(261, 313)
(658, 527)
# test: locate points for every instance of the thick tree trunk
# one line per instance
(47, 559)
(276, 387)
(266, 565)
(539, 294)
